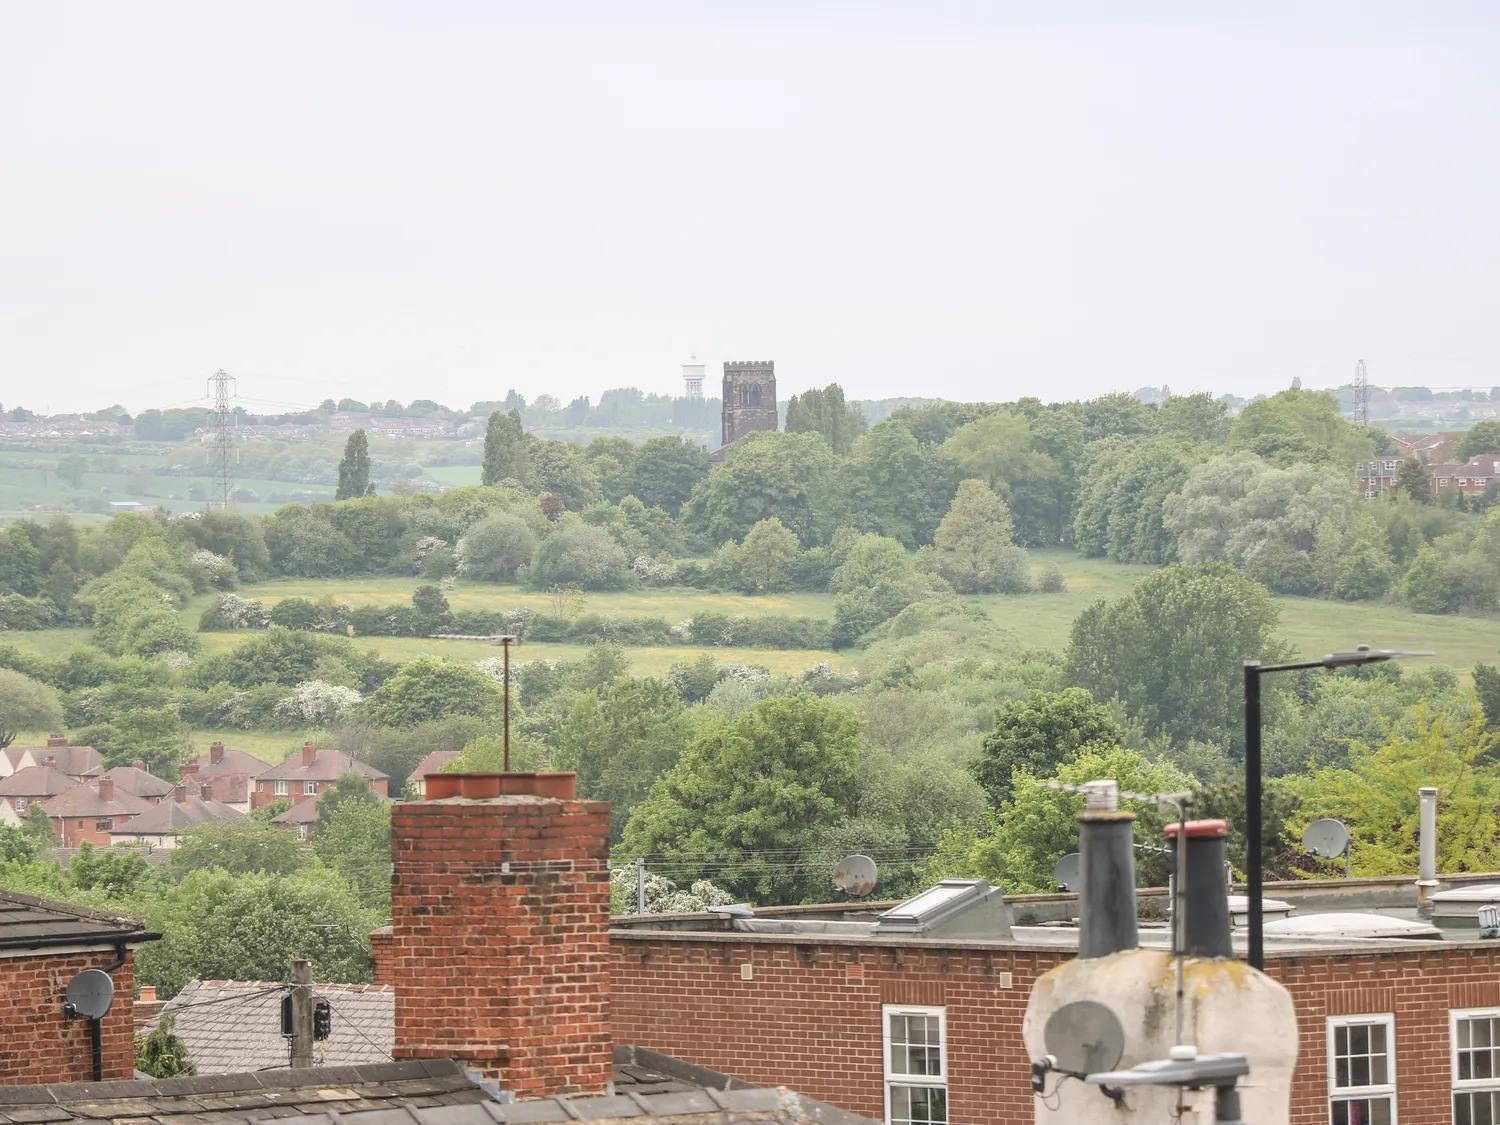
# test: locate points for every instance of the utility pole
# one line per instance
(302, 1016)
(505, 643)
(221, 387)
(1361, 394)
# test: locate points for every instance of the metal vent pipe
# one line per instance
(1106, 862)
(1206, 933)
(1426, 844)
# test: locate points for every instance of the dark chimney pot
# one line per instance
(1106, 862)
(1206, 889)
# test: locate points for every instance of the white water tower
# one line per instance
(692, 378)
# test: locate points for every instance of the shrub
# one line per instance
(578, 554)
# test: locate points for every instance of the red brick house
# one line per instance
(90, 811)
(1471, 477)
(233, 773)
(75, 761)
(34, 783)
(138, 782)
(308, 773)
(190, 805)
(431, 764)
(43, 946)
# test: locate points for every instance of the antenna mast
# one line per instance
(1361, 394)
(221, 387)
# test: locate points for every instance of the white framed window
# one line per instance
(1362, 1070)
(309, 788)
(916, 1065)
(1474, 1041)
(281, 789)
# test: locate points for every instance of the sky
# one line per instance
(978, 201)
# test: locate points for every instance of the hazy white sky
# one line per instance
(444, 200)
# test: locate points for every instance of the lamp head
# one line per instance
(1364, 654)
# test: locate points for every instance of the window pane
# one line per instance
(1359, 1039)
(1341, 1040)
(1380, 1111)
(1341, 1073)
(1482, 1032)
(1377, 1038)
(1359, 1070)
(1378, 1071)
(1340, 1113)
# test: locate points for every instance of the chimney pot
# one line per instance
(148, 994)
(205, 791)
(1206, 933)
(50, 761)
(309, 752)
(106, 789)
(1106, 864)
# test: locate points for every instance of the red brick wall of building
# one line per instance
(499, 949)
(810, 1017)
(77, 830)
(37, 1044)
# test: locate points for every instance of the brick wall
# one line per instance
(37, 1044)
(809, 1017)
(499, 947)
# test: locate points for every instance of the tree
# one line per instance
(765, 785)
(426, 689)
(1037, 734)
(1172, 650)
(496, 547)
(1376, 795)
(1193, 418)
(667, 469)
(163, 1054)
(876, 581)
(766, 556)
(26, 704)
(250, 927)
(1414, 481)
(621, 738)
(157, 736)
(38, 826)
(1430, 584)
(825, 412)
(892, 485)
(1483, 437)
(505, 454)
(354, 838)
(1039, 826)
(560, 468)
(113, 872)
(767, 474)
(1004, 451)
(350, 786)
(972, 548)
(238, 847)
(17, 845)
(1299, 425)
(431, 608)
(1123, 501)
(1487, 688)
(354, 468)
(579, 554)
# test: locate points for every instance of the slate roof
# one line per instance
(425, 1092)
(176, 815)
(36, 781)
(327, 765)
(233, 761)
(76, 761)
(213, 1098)
(137, 782)
(28, 922)
(84, 800)
(303, 812)
(235, 1025)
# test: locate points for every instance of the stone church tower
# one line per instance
(749, 398)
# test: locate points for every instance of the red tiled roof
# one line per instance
(137, 782)
(84, 800)
(172, 817)
(76, 761)
(36, 781)
(233, 761)
(432, 763)
(327, 765)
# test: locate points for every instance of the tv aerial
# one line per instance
(856, 875)
(1329, 839)
(89, 995)
(1067, 872)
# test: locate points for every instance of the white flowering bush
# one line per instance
(235, 612)
(424, 547)
(663, 896)
(216, 570)
(683, 630)
(744, 673)
(494, 668)
(317, 703)
(648, 569)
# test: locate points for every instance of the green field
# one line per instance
(1027, 621)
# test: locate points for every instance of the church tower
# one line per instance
(749, 398)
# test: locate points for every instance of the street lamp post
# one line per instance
(1254, 876)
(505, 642)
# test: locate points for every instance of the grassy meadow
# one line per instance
(1029, 621)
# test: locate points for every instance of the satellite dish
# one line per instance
(855, 875)
(1067, 872)
(90, 994)
(1326, 837)
(1084, 1037)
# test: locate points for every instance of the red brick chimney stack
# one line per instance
(106, 789)
(206, 791)
(309, 752)
(140, 764)
(499, 938)
(56, 740)
(216, 753)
